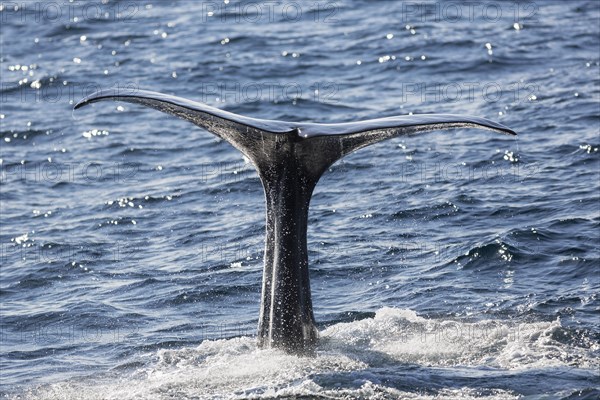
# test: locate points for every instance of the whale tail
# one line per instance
(290, 158)
(336, 140)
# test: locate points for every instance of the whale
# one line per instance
(289, 158)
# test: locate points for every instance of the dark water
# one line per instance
(460, 264)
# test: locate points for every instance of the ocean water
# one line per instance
(456, 264)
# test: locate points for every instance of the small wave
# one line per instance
(428, 212)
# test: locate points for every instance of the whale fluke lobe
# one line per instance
(290, 158)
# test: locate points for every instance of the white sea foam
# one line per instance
(355, 353)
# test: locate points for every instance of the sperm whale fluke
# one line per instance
(290, 158)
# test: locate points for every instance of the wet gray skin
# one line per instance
(290, 158)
